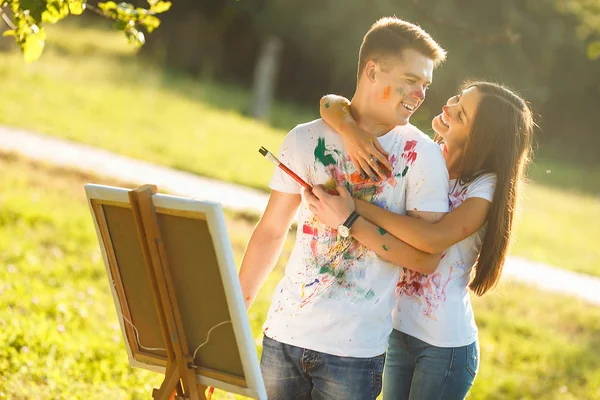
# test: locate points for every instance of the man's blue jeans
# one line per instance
(416, 370)
(294, 373)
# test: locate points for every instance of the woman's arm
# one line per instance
(366, 152)
(429, 237)
(385, 245)
(392, 249)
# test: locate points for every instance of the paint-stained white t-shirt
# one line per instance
(436, 308)
(337, 296)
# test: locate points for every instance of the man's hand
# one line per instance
(332, 210)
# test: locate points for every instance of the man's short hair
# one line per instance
(389, 36)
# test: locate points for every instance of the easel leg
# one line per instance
(192, 389)
(168, 385)
(180, 373)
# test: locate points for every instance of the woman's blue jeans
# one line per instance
(415, 370)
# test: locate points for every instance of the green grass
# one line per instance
(81, 91)
(89, 87)
(61, 339)
(560, 228)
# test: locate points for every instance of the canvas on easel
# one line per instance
(176, 290)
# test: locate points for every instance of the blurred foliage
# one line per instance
(587, 13)
(545, 49)
(25, 19)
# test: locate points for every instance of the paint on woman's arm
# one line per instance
(382, 231)
(385, 248)
(326, 105)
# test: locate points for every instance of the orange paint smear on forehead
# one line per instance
(386, 93)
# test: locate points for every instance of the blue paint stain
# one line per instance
(312, 283)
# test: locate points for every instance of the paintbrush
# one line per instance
(269, 156)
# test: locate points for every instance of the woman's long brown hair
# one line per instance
(500, 143)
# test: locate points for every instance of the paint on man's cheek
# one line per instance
(386, 93)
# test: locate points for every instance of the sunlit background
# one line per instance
(221, 78)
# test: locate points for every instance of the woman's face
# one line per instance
(455, 122)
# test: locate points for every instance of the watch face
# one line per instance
(343, 231)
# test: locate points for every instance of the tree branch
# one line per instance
(7, 20)
(95, 9)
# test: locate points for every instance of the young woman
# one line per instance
(485, 133)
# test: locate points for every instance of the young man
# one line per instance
(327, 329)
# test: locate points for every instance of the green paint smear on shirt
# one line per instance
(385, 248)
(382, 231)
(327, 269)
(405, 171)
(370, 294)
(320, 154)
(365, 193)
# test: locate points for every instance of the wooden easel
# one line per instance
(180, 375)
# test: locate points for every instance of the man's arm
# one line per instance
(266, 242)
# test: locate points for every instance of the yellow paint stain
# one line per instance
(303, 286)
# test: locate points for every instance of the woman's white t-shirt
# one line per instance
(436, 308)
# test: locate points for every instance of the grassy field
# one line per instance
(89, 87)
(61, 339)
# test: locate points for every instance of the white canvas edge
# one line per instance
(99, 192)
(227, 268)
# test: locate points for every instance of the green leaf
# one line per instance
(34, 45)
(121, 25)
(126, 6)
(150, 22)
(160, 7)
(55, 11)
(108, 6)
(135, 36)
(34, 7)
(76, 7)
(593, 50)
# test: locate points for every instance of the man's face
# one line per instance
(400, 87)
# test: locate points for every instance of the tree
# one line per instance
(587, 13)
(25, 19)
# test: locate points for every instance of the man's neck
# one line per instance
(364, 119)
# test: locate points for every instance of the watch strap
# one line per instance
(351, 219)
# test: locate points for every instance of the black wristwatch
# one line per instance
(344, 229)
